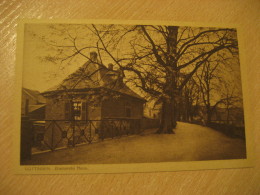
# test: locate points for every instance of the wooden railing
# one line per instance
(50, 135)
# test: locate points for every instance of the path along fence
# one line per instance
(233, 128)
(49, 135)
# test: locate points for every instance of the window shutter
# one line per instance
(67, 110)
(84, 112)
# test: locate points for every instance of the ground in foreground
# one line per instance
(189, 143)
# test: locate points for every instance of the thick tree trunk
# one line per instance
(169, 106)
(174, 114)
(168, 118)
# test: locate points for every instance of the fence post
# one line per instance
(26, 138)
(139, 125)
(73, 133)
(101, 130)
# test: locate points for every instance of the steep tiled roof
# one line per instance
(93, 75)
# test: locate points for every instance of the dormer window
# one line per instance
(110, 66)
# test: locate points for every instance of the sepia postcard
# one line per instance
(104, 96)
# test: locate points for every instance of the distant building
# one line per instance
(152, 111)
(232, 116)
(33, 104)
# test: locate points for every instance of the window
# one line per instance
(128, 112)
(79, 110)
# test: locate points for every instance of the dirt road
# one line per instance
(189, 143)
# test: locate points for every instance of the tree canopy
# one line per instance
(157, 61)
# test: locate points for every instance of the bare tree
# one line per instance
(190, 97)
(215, 88)
(229, 99)
(208, 81)
(152, 58)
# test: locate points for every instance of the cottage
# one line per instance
(93, 92)
(92, 101)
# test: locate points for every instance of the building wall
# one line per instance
(111, 108)
(55, 109)
(94, 112)
(117, 108)
(30, 100)
(38, 114)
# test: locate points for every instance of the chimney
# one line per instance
(110, 66)
(93, 56)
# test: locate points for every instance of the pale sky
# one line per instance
(39, 75)
(42, 75)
